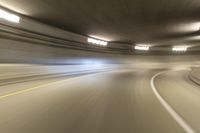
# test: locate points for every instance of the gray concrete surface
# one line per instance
(182, 94)
(195, 74)
(11, 71)
(117, 101)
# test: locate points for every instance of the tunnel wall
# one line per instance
(31, 31)
(36, 43)
(12, 72)
(12, 51)
(195, 75)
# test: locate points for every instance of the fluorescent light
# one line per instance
(97, 42)
(8, 16)
(142, 47)
(179, 48)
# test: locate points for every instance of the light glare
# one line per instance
(8, 16)
(98, 42)
(142, 47)
(179, 48)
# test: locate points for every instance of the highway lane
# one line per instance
(111, 102)
(182, 94)
(9, 85)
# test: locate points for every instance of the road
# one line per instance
(118, 101)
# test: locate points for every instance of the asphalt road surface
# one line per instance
(121, 101)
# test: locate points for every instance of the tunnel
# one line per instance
(99, 66)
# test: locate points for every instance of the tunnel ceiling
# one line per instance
(160, 22)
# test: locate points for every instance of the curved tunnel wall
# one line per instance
(34, 42)
(195, 75)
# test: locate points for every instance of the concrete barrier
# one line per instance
(11, 72)
(195, 75)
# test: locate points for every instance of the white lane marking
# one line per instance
(170, 110)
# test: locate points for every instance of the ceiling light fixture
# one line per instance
(8, 16)
(97, 42)
(142, 47)
(179, 48)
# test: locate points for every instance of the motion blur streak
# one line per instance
(109, 93)
(78, 66)
(110, 98)
(171, 111)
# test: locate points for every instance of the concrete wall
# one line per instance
(14, 71)
(195, 75)
(36, 43)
